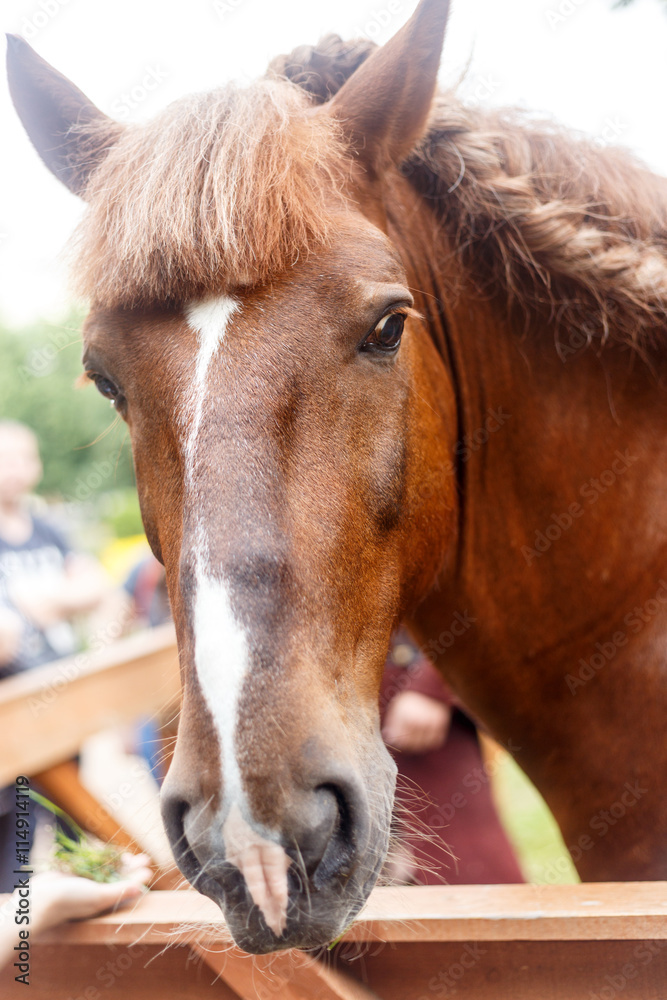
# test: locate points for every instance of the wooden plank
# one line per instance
(519, 970)
(578, 942)
(289, 975)
(515, 970)
(47, 713)
(589, 911)
(633, 911)
(103, 972)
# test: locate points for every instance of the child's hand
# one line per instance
(57, 897)
(415, 723)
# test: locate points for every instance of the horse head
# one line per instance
(252, 322)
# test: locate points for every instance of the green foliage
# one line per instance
(85, 448)
(82, 856)
(87, 859)
(120, 512)
(533, 831)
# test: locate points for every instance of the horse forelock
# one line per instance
(220, 190)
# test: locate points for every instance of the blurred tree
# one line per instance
(85, 447)
(626, 3)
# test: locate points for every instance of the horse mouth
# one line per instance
(313, 918)
(319, 905)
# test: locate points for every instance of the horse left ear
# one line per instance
(384, 106)
(55, 114)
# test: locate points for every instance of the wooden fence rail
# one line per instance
(46, 714)
(523, 942)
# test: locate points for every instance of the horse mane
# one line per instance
(219, 190)
(573, 233)
(231, 187)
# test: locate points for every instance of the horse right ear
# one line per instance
(55, 114)
(383, 108)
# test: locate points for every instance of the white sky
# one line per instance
(591, 67)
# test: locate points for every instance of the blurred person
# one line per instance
(146, 586)
(452, 834)
(44, 586)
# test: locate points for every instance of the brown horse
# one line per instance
(381, 358)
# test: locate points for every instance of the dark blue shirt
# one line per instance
(42, 555)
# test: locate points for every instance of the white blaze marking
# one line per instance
(209, 318)
(221, 661)
(221, 658)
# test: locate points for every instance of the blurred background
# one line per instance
(595, 65)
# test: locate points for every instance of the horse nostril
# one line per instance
(336, 837)
(174, 811)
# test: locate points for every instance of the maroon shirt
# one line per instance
(456, 815)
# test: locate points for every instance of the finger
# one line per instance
(117, 894)
(140, 877)
(133, 861)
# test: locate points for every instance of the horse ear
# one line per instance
(55, 113)
(384, 105)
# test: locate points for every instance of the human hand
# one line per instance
(37, 598)
(57, 897)
(60, 596)
(415, 723)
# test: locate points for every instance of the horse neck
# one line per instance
(540, 439)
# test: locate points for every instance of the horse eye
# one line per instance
(386, 336)
(105, 386)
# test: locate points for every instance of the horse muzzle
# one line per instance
(298, 886)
